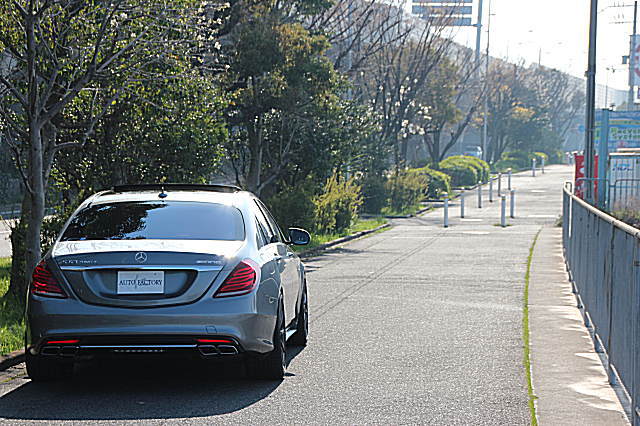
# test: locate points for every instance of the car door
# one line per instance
(290, 266)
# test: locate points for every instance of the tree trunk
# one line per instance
(404, 150)
(254, 132)
(36, 198)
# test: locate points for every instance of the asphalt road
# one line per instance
(418, 324)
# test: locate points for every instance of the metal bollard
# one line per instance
(490, 190)
(499, 184)
(533, 167)
(479, 195)
(446, 211)
(462, 205)
(512, 205)
(542, 165)
(503, 211)
(509, 179)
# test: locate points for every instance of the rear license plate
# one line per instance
(140, 282)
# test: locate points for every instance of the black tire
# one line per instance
(42, 369)
(271, 366)
(299, 338)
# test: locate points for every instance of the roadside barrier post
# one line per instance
(462, 204)
(479, 195)
(499, 184)
(503, 211)
(490, 190)
(542, 165)
(509, 179)
(446, 210)
(533, 167)
(512, 205)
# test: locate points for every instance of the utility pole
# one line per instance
(478, 35)
(483, 135)
(486, 88)
(632, 57)
(591, 100)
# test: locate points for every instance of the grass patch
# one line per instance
(388, 211)
(359, 225)
(11, 313)
(526, 334)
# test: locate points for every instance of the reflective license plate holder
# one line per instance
(140, 282)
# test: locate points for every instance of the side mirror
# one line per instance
(299, 237)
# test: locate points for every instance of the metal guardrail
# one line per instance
(602, 255)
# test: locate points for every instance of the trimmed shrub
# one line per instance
(482, 167)
(520, 160)
(540, 155)
(462, 172)
(438, 182)
(516, 160)
(406, 189)
(374, 193)
(337, 207)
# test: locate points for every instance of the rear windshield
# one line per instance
(177, 220)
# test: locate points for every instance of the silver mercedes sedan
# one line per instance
(154, 270)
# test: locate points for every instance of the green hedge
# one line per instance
(519, 160)
(465, 170)
(293, 207)
(482, 167)
(438, 182)
(374, 193)
(405, 190)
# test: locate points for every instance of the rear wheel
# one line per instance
(42, 369)
(299, 338)
(272, 365)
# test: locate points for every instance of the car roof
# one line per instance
(229, 198)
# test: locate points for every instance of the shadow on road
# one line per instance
(141, 389)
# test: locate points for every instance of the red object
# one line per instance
(214, 341)
(43, 283)
(62, 342)
(241, 281)
(580, 176)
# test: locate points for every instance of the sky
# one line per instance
(556, 32)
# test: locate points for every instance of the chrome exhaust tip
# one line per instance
(227, 350)
(208, 350)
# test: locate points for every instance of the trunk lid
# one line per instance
(142, 273)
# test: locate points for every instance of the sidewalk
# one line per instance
(568, 377)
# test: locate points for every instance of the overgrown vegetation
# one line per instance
(629, 215)
(358, 226)
(11, 313)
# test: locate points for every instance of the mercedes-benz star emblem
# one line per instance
(141, 257)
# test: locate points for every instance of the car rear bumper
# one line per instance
(102, 330)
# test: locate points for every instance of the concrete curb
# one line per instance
(11, 359)
(322, 247)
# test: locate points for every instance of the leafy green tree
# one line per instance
(65, 65)
(283, 87)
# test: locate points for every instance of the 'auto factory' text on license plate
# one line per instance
(140, 282)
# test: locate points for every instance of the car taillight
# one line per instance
(241, 280)
(43, 283)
